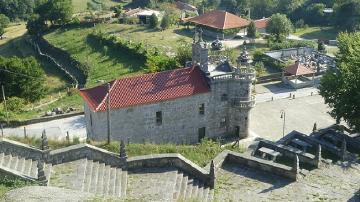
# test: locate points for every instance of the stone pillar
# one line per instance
(244, 123)
(343, 150)
(41, 174)
(318, 155)
(122, 150)
(296, 167)
(44, 141)
(212, 174)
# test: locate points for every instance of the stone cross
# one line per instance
(343, 150)
(44, 141)
(212, 174)
(41, 174)
(122, 149)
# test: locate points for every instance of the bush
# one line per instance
(251, 30)
(165, 22)
(260, 69)
(131, 20)
(15, 104)
(154, 21)
(299, 24)
(183, 54)
(275, 45)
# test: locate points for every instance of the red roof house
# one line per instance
(220, 20)
(146, 89)
(298, 69)
(261, 23)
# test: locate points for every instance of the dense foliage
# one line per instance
(341, 88)
(154, 21)
(4, 22)
(22, 77)
(347, 15)
(251, 30)
(279, 26)
(18, 9)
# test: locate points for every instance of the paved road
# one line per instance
(55, 129)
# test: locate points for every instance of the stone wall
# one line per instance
(278, 54)
(19, 149)
(261, 164)
(13, 174)
(169, 160)
(90, 152)
(180, 121)
(290, 152)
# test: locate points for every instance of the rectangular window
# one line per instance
(223, 122)
(159, 117)
(202, 109)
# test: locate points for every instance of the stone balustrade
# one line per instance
(243, 102)
(245, 74)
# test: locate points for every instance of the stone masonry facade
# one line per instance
(224, 111)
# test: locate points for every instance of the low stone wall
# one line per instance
(261, 164)
(19, 149)
(167, 160)
(290, 152)
(90, 152)
(12, 174)
(41, 119)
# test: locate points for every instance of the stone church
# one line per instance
(209, 98)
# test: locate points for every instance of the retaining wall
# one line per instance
(19, 149)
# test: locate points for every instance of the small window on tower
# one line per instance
(202, 109)
(159, 117)
(223, 122)
(224, 97)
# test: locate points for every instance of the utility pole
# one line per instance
(108, 114)
(4, 98)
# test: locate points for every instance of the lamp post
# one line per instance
(283, 116)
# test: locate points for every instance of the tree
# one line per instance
(347, 15)
(60, 11)
(251, 30)
(183, 52)
(340, 88)
(165, 22)
(35, 25)
(4, 22)
(154, 21)
(23, 78)
(279, 26)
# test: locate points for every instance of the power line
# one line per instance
(5, 70)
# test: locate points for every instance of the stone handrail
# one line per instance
(243, 102)
(76, 152)
(246, 74)
(19, 149)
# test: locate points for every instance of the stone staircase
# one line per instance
(24, 166)
(166, 184)
(90, 176)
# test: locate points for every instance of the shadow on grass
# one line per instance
(115, 55)
(323, 34)
(276, 181)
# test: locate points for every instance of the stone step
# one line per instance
(34, 170)
(28, 166)
(14, 162)
(183, 187)
(47, 170)
(211, 195)
(88, 177)
(201, 189)
(21, 166)
(80, 175)
(206, 194)
(100, 184)
(112, 185)
(107, 179)
(118, 182)
(124, 179)
(195, 189)
(2, 155)
(94, 177)
(189, 187)
(177, 189)
(7, 161)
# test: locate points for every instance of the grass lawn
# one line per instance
(14, 30)
(108, 64)
(325, 33)
(81, 5)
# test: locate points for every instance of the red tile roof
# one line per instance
(148, 88)
(220, 20)
(261, 23)
(298, 69)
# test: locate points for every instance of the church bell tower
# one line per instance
(200, 51)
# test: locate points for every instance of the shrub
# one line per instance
(299, 24)
(15, 104)
(183, 53)
(251, 30)
(165, 22)
(260, 69)
(154, 21)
